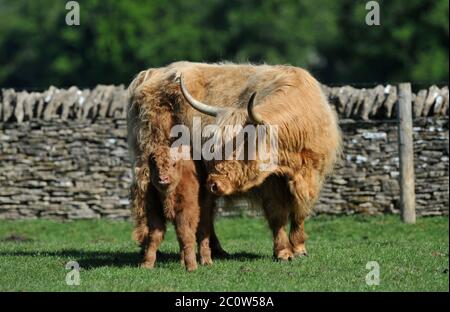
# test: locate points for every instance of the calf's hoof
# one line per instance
(147, 264)
(191, 267)
(285, 254)
(300, 251)
(190, 261)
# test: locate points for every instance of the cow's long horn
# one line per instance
(254, 116)
(201, 107)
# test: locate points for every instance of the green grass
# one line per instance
(33, 255)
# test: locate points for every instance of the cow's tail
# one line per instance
(139, 167)
(133, 122)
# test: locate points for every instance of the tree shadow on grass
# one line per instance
(95, 259)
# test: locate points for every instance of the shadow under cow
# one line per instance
(95, 259)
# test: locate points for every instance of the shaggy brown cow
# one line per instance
(288, 97)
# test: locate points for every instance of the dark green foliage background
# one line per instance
(116, 39)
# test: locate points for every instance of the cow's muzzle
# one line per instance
(218, 187)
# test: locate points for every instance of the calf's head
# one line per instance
(165, 171)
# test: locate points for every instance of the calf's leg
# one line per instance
(186, 222)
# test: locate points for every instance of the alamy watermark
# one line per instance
(373, 16)
(73, 277)
(373, 277)
(73, 16)
(212, 142)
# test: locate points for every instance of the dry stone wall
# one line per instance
(63, 154)
(109, 101)
(64, 169)
(367, 179)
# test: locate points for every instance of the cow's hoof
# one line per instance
(285, 255)
(300, 251)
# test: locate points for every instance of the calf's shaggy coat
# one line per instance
(179, 190)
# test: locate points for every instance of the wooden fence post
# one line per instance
(406, 154)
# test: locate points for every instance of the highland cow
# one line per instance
(284, 96)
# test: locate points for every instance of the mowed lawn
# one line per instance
(33, 255)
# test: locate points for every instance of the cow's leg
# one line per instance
(207, 239)
(305, 189)
(156, 227)
(297, 235)
(278, 219)
(204, 235)
(216, 248)
(277, 214)
(186, 222)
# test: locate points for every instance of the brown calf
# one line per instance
(178, 194)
